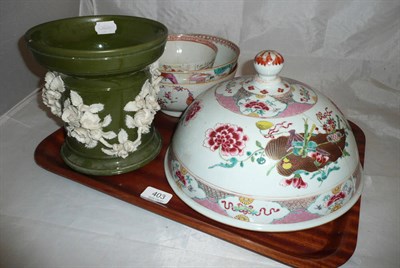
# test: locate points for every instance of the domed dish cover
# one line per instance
(265, 153)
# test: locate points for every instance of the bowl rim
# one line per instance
(191, 38)
(205, 83)
(200, 59)
(213, 38)
(51, 51)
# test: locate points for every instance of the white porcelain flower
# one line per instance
(71, 114)
(124, 147)
(145, 107)
(90, 121)
(83, 136)
(151, 103)
(145, 104)
(83, 122)
(143, 119)
(136, 105)
(147, 99)
(154, 70)
(51, 92)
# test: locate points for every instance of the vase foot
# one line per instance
(110, 165)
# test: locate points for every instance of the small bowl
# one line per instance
(187, 53)
(225, 62)
(175, 98)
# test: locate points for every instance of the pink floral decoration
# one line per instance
(192, 111)
(296, 182)
(179, 174)
(257, 105)
(330, 125)
(335, 198)
(230, 139)
(320, 158)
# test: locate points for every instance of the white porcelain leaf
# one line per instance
(76, 99)
(109, 135)
(51, 92)
(122, 136)
(129, 107)
(106, 121)
(95, 108)
(129, 121)
(57, 84)
(49, 77)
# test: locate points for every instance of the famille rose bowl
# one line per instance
(225, 62)
(265, 153)
(185, 53)
(175, 98)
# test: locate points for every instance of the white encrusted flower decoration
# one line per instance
(145, 105)
(83, 122)
(85, 125)
(124, 147)
(52, 92)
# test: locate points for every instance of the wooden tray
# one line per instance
(329, 245)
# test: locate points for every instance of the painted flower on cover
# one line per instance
(305, 94)
(295, 182)
(261, 106)
(180, 176)
(192, 111)
(319, 158)
(335, 198)
(257, 105)
(330, 125)
(227, 138)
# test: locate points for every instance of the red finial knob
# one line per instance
(268, 63)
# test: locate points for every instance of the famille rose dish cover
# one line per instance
(265, 153)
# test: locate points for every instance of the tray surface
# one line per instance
(328, 245)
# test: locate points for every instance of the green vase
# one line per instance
(102, 83)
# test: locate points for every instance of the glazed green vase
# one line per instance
(103, 84)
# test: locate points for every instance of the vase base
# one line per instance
(113, 165)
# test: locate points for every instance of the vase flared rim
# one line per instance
(43, 47)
